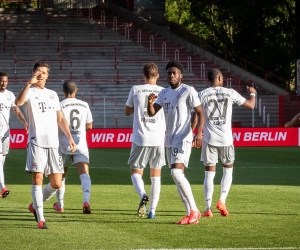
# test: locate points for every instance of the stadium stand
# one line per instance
(104, 50)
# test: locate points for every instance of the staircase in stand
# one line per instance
(105, 59)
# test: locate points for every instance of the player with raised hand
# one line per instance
(177, 102)
(217, 142)
(44, 117)
(147, 140)
(294, 122)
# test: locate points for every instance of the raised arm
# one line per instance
(20, 98)
(152, 109)
(250, 103)
(293, 122)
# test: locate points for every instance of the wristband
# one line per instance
(252, 94)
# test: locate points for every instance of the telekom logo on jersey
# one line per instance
(121, 137)
(42, 106)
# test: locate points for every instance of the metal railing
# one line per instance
(10, 46)
(90, 47)
(25, 29)
(198, 41)
(65, 17)
(25, 61)
(92, 100)
(71, 4)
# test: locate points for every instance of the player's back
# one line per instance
(77, 114)
(147, 131)
(217, 106)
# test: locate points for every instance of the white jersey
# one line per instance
(41, 106)
(147, 131)
(217, 106)
(178, 105)
(77, 114)
(7, 101)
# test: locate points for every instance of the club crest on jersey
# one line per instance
(52, 97)
(178, 96)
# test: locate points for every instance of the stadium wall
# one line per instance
(121, 137)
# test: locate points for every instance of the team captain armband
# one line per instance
(252, 94)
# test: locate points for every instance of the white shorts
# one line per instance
(4, 145)
(179, 153)
(210, 154)
(140, 156)
(43, 160)
(69, 159)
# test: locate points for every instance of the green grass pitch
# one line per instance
(264, 206)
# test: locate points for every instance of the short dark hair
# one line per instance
(69, 87)
(176, 64)
(150, 70)
(41, 64)
(3, 74)
(213, 74)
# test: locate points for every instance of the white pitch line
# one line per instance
(268, 248)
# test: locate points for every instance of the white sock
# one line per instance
(138, 184)
(86, 187)
(37, 200)
(184, 186)
(184, 200)
(208, 186)
(226, 183)
(2, 185)
(154, 193)
(48, 192)
(60, 193)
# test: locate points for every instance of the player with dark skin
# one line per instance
(174, 77)
(178, 101)
(217, 102)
